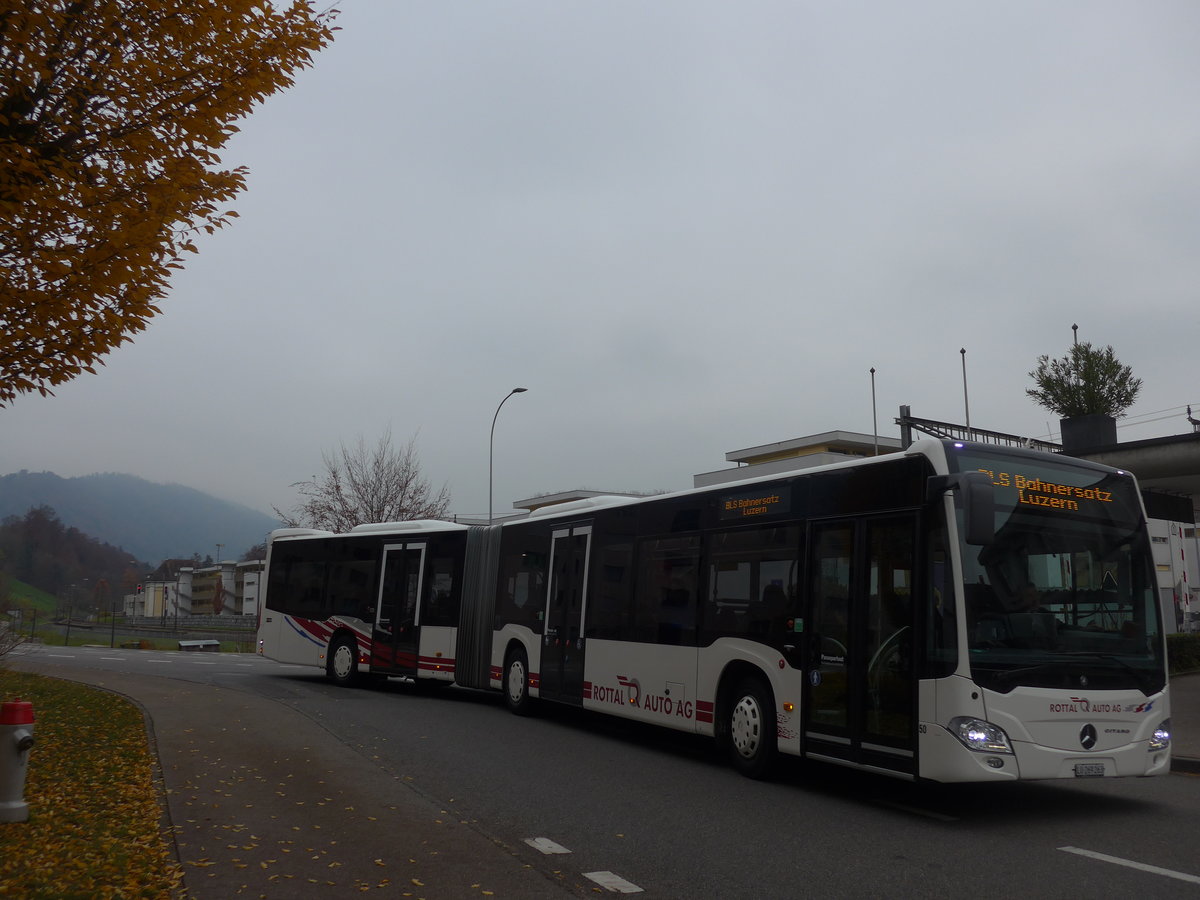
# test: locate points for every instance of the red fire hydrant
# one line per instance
(16, 737)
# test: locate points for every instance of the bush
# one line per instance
(1183, 653)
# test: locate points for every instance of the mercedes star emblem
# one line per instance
(1087, 737)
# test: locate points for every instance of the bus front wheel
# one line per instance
(342, 668)
(516, 682)
(750, 732)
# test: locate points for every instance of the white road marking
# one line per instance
(614, 884)
(545, 845)
(1131, 864)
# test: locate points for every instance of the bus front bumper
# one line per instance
(944, 758)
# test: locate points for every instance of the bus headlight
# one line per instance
(976, 734)
(1161, 739)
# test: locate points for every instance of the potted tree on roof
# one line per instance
(1089, 389)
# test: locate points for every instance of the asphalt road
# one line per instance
(659, 812)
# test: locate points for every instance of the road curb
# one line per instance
(1185, 765)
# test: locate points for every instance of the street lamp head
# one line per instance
(491, 443)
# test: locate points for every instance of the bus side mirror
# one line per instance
(978, 502)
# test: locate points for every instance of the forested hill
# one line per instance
(149, 521)
(38, 552)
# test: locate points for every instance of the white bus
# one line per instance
(952, 612)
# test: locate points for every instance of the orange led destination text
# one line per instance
(751, 506)
(1049, 494)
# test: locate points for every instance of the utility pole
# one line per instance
(874, 417)
(966, 403)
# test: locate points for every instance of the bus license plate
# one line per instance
(1089, 770)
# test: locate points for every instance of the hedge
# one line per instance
(1183, 653)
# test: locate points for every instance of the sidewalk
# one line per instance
(1185, 723)
(264, 803)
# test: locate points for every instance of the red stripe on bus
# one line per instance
(318, 630)
(383, 655)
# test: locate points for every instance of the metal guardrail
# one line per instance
(952, 431)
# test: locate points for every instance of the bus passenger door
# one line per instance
(398, 610)
(561, 676)
(861, 680)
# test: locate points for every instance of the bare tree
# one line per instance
(362, 485)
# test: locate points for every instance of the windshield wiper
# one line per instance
(1144, 679)
(1009, 677)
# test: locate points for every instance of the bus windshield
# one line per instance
(1065, 595)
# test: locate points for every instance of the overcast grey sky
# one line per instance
(686, 227)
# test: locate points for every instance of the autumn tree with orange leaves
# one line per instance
(112, 116)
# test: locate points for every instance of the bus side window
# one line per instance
(751, 582)
(608, 608)
(440, 607)
(521, 597)
(348, 584)
(665, 606)
(309, 578)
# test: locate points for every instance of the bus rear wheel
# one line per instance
(750, 733)
(516, 682)
(342, 667)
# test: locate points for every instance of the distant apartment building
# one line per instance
(174, 589)
(226, 589)
(248, 586)
(163, 592)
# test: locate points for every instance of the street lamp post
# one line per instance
(492, 443)
(874, 417)
(966, 403)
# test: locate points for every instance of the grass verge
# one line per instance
(95, 821)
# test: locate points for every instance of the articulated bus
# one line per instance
(952, 612)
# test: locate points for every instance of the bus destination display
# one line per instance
(1035, 491)
(744, 506)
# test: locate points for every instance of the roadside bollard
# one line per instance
(16, 737)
